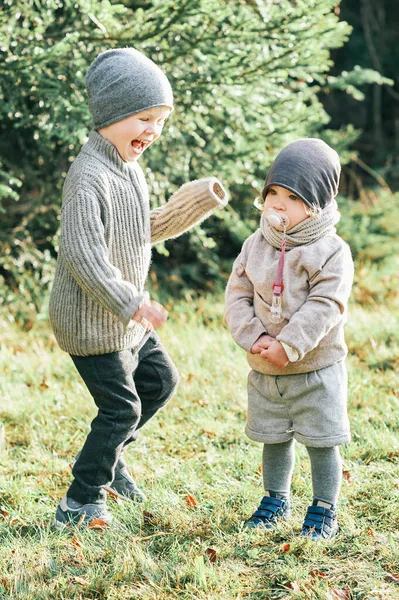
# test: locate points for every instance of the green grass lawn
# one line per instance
(201, 475)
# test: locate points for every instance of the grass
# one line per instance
(201, 474)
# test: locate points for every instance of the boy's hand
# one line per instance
(262, 343)
(151, 315)
(276, 355)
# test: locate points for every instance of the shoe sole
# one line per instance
(320, 538)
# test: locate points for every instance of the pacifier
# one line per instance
(277, 220)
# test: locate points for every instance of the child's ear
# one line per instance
(313, 212)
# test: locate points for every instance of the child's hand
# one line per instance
(151, 315)
(262, 343)
(276, 355)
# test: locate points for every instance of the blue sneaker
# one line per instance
(269, 512)
(320, 523)
(70, 512)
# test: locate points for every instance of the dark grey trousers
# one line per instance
(128, 387)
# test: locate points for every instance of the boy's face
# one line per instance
(133, 135)
(285, 202)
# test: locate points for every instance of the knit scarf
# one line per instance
(306, 232)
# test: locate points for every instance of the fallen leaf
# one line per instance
(190, 377)
(210, 434)
(370, 532)
(77, 542)
(148, 517)
(4, 512)
(43, 386)
(115, 497)
(211, 554)
(98, 524)
(317, 574)
(346, 475)
(191, 501)
(293, 585)
(286, 547)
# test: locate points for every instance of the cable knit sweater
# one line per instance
(105, 246)
(317, 283)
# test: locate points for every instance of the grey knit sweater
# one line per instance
(105, 246)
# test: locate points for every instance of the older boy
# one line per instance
(99, 310)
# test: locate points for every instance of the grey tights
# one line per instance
(326, 466)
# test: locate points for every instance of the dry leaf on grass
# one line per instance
(293, 585)
(316, 574)
(44, 385)
(98, 524)
(346, 475)
(148, 517)
(77, 542)
(210, 434)
(211, 554)
(191, 501)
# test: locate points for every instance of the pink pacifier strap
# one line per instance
(278, 285)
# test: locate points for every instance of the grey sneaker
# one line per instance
(124, 487)
(70, 512)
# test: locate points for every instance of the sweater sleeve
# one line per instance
(85, 255)
(239, 315)
(329, 290)
(191, 204)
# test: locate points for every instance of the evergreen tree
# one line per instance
(246, 76)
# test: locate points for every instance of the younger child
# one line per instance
(99, 310)
(286, 303)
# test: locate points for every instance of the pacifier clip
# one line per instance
(275, 315)
(278, 288)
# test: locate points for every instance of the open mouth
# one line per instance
(139, 145)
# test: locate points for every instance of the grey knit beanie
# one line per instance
(309, 168)
(122, 82)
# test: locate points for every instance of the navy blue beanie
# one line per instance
(309, 168)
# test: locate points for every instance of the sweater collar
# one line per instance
(106, 152)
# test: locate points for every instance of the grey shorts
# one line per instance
(310, 407)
